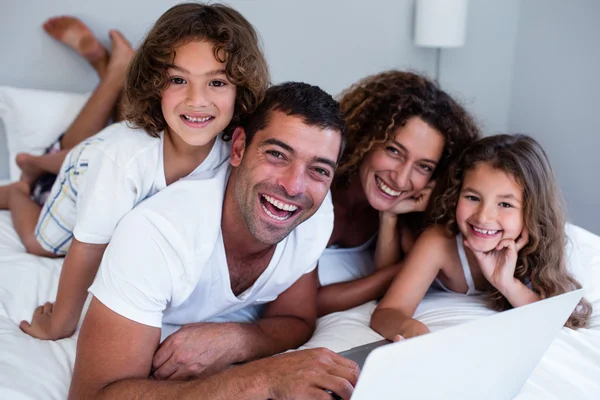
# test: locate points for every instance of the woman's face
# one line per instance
(402, 166)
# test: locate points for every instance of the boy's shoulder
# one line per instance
(120, 138)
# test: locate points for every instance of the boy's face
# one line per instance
(199, 101)
(284, 174)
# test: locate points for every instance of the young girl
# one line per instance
(499, 230)
(198, 72)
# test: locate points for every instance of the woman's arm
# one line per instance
(393, 315)
(346, 295)
(395, 240)
(388, 250)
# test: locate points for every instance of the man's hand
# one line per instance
(416, 203)
(197, 349)
(306, 374)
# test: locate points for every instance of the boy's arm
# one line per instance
(287, 322)
(205, 348)
(77, 274)
(345, 295)
(393, 315)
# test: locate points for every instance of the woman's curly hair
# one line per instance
(379, 104)
(542, 261)
(236, 43)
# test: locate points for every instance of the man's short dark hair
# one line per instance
(311, 103)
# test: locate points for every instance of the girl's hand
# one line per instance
(498, 265)
(398, 338)
(412, 328)
(416, 203)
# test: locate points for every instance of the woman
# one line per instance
(403, 131)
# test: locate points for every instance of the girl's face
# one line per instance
(401, 167)
(490, 207)
(199, 100)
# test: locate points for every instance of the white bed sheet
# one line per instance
(34, 369)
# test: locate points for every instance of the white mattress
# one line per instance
(34, 369)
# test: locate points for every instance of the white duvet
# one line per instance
(34, 369)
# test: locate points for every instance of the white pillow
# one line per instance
(33, 119)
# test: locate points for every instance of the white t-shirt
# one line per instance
(166, 261)
(125, 167)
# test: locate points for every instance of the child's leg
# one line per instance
(75, 34)
(25, 213)
(4, 195)
(34, 166)
(95, 114)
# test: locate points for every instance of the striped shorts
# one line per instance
(54, 229)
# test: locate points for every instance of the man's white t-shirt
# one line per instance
(125, 166)
(166, 261)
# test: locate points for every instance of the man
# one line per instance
(202, 249)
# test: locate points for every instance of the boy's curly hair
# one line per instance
(379, 104)
(235, 41)
(542, 260)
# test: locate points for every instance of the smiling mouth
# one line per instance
(484, 232)
(197, 120)
(386, 189)
(277, 209)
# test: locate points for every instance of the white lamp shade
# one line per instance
(440, 23)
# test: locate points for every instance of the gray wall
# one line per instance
(555, 95)
(331, 43)
(480, 73)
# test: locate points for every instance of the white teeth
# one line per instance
(279, 204)
(270, 214)
(386, 189)
(192, 119)
(485, 232)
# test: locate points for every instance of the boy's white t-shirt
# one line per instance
(125, 167)
(166, 262)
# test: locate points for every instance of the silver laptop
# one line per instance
(490, 358)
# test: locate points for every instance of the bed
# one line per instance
(34, 369)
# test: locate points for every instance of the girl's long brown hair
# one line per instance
(542, 261)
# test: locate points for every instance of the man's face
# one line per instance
(283, 175)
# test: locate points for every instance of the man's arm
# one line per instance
(205, 348)
(114, 359)
(287, 323)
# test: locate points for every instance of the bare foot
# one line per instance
(75, 34)
(121, 54)
(29, 172)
